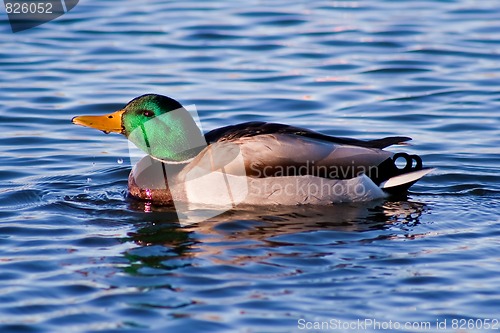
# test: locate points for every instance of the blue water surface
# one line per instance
(77, 255)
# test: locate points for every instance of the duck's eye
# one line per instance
(147, 113)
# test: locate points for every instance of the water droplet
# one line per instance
(120, 161)
(148, 193)
(86, 190)
(89, 180)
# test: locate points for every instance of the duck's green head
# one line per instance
(156, 124)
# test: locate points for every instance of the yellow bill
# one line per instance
(107, 123)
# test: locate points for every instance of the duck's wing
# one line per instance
(276, 155)
(254, 128)
(272, 150)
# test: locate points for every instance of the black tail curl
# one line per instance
(389, 168)
(409, 162)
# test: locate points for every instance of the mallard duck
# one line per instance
(256, 163)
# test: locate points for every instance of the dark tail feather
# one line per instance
(386, 142)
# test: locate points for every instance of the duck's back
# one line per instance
(255, 128)
(277, 150)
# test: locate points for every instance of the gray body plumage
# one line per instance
(266, 163)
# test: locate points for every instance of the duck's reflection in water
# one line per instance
(257, 228)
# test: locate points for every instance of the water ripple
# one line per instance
(77, 254)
